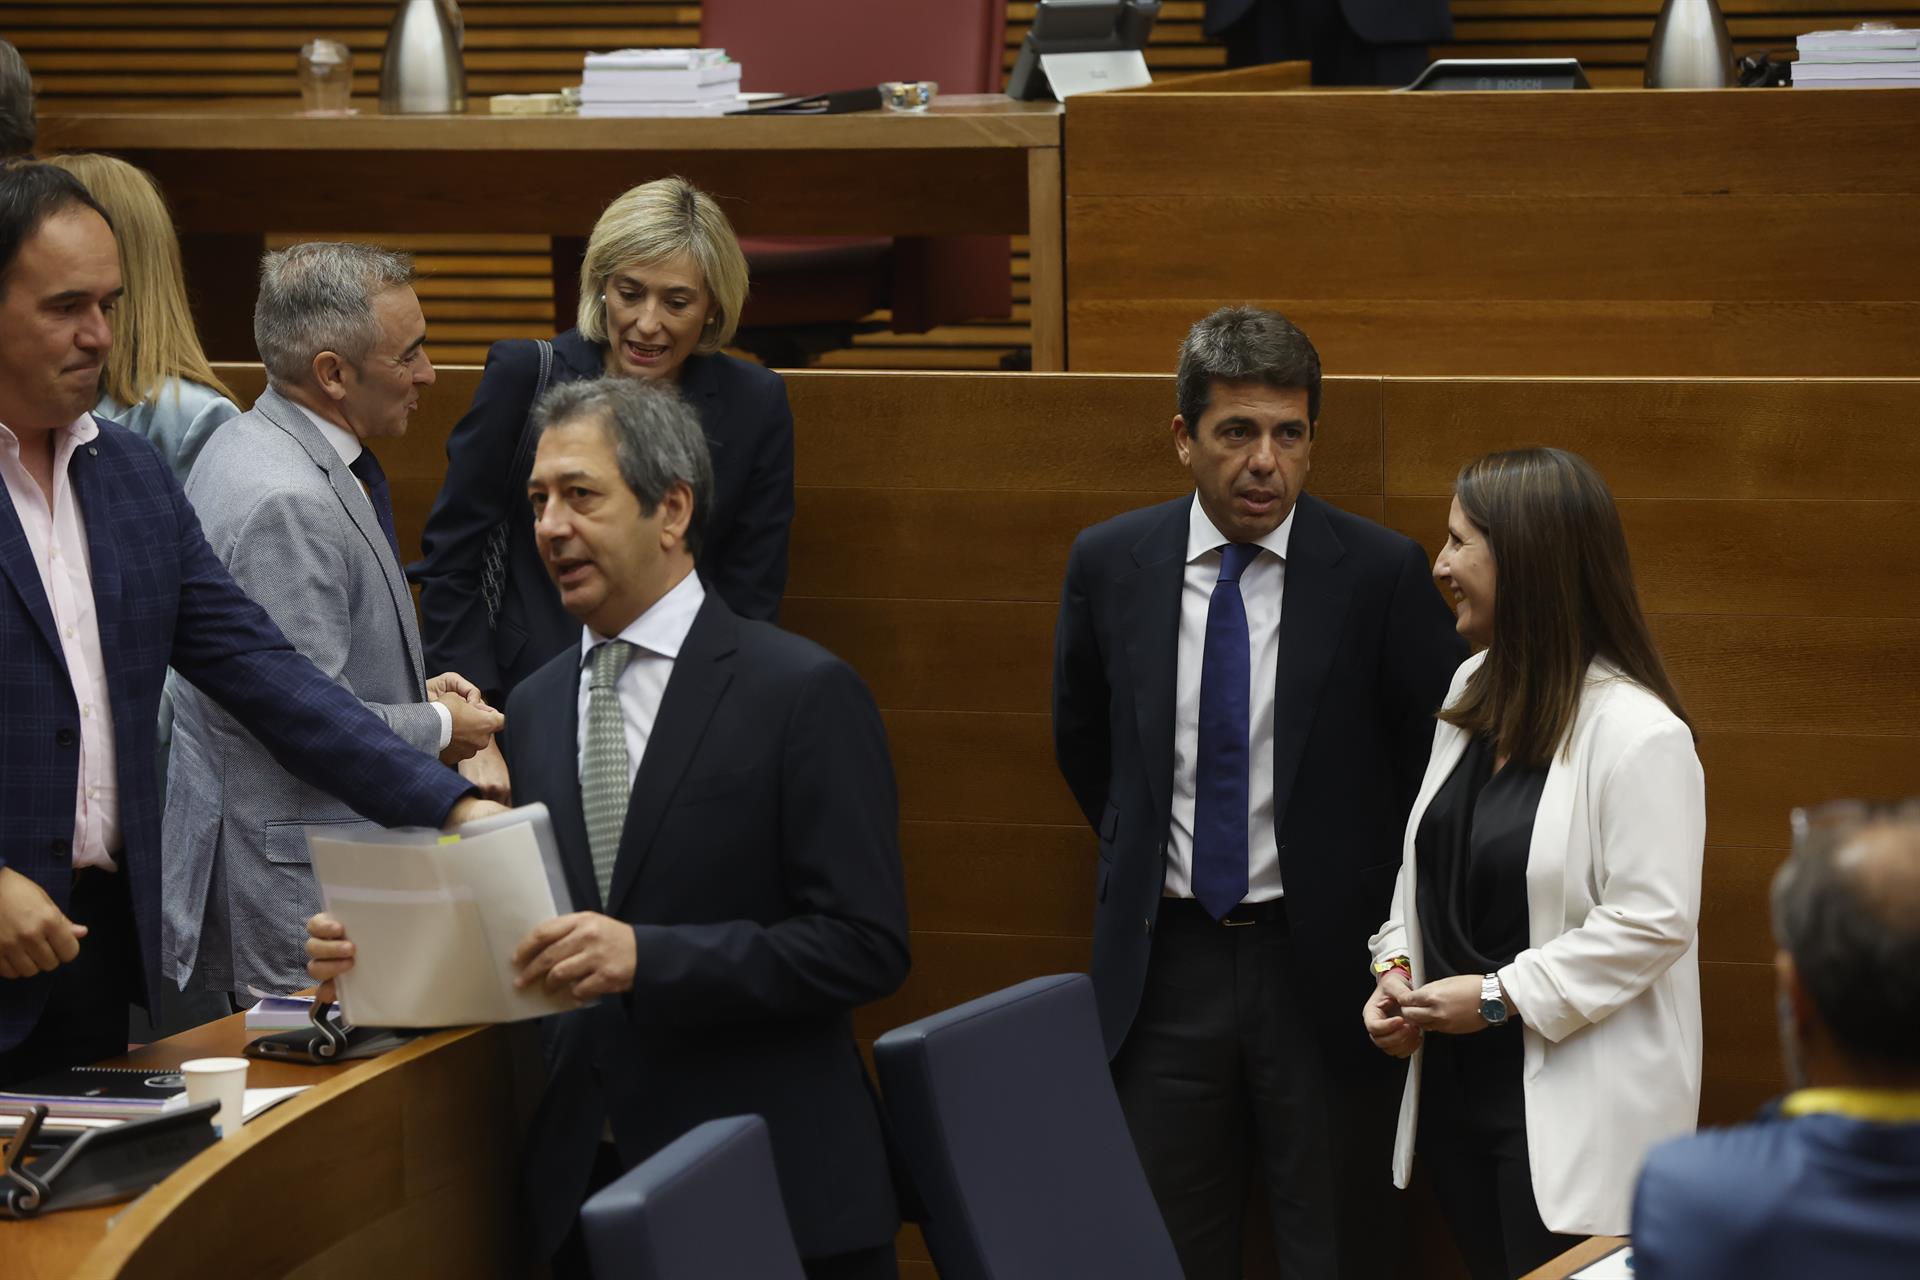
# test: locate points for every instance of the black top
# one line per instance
(1472, 850)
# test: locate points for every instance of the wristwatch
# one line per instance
(1492, 1007)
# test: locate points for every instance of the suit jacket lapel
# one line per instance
(1153, 643)
(1312, 611)
(16, 562)
(291, 419)
(700, 676)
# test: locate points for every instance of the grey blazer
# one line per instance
(294, 527)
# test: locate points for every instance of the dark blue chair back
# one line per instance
(1005, 1113)
(705, 1207)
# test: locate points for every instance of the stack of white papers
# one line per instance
(1874, 58)
(660, 82)
(435, 919)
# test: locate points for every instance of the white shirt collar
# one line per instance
(663, 628)
(78, 432)
(1202, 537)
(344, 442)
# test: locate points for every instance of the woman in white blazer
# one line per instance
(1540, 963)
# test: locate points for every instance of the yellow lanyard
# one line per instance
(1880, 1106)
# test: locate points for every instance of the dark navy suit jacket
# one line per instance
(1367, 650)
(749, 428)
(161, 596)
(1375, 21)
(1781, 1199)
(760, 868)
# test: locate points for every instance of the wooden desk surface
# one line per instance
(374, 1150)
(1582, 1254)
(962, 121)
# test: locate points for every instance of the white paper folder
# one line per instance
(435, 919)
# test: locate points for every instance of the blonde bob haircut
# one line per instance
(154, 341)
(651, 223)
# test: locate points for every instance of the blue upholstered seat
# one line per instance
(705, 1207)
(1005, 1113)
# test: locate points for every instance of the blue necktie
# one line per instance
(367, 468)
(1220, 765)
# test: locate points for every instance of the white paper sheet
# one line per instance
(1617, 1265)
(434, 926)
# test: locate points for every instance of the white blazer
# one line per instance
(1608, 988)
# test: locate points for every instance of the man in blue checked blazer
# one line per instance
(105, 579)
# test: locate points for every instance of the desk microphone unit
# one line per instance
(1495, 75)
(1078, 26)
(101, 1166)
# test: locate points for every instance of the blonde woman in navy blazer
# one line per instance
(661, 288)
(1540, 963)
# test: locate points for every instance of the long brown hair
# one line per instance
(154, 340)
(1563, 596)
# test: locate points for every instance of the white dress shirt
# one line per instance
(656, 636)
(57, 536)
(1262, 586)
(348, 446)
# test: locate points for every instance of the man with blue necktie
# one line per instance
(298, 508)
(1244, 685)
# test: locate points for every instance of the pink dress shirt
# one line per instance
(58, 540)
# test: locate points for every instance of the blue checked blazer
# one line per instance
(161, 596)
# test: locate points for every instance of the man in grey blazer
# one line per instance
(294, 503)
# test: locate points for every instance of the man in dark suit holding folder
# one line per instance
(723, 799)
(1243, 697)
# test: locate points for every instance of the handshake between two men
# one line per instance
(471, 748)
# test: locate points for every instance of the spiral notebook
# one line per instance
(108, 1093)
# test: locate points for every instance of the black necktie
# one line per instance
(367, 468)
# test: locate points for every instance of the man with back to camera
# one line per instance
(1243, 697)
(105, 579)
(1827, 1181)
(723, 800)
(294, 502)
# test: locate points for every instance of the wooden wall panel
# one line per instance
(1565, 337)
(1762, 438)
(1042, 432)
(1633, 234)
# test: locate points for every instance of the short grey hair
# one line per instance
(1246, 344)
(18, 129)
(656, 437)
(1846, 906)
(319, 297)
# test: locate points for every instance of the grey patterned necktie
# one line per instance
(606, 775)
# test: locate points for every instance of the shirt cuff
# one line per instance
(446, 724)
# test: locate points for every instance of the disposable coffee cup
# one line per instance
(222, 1080)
